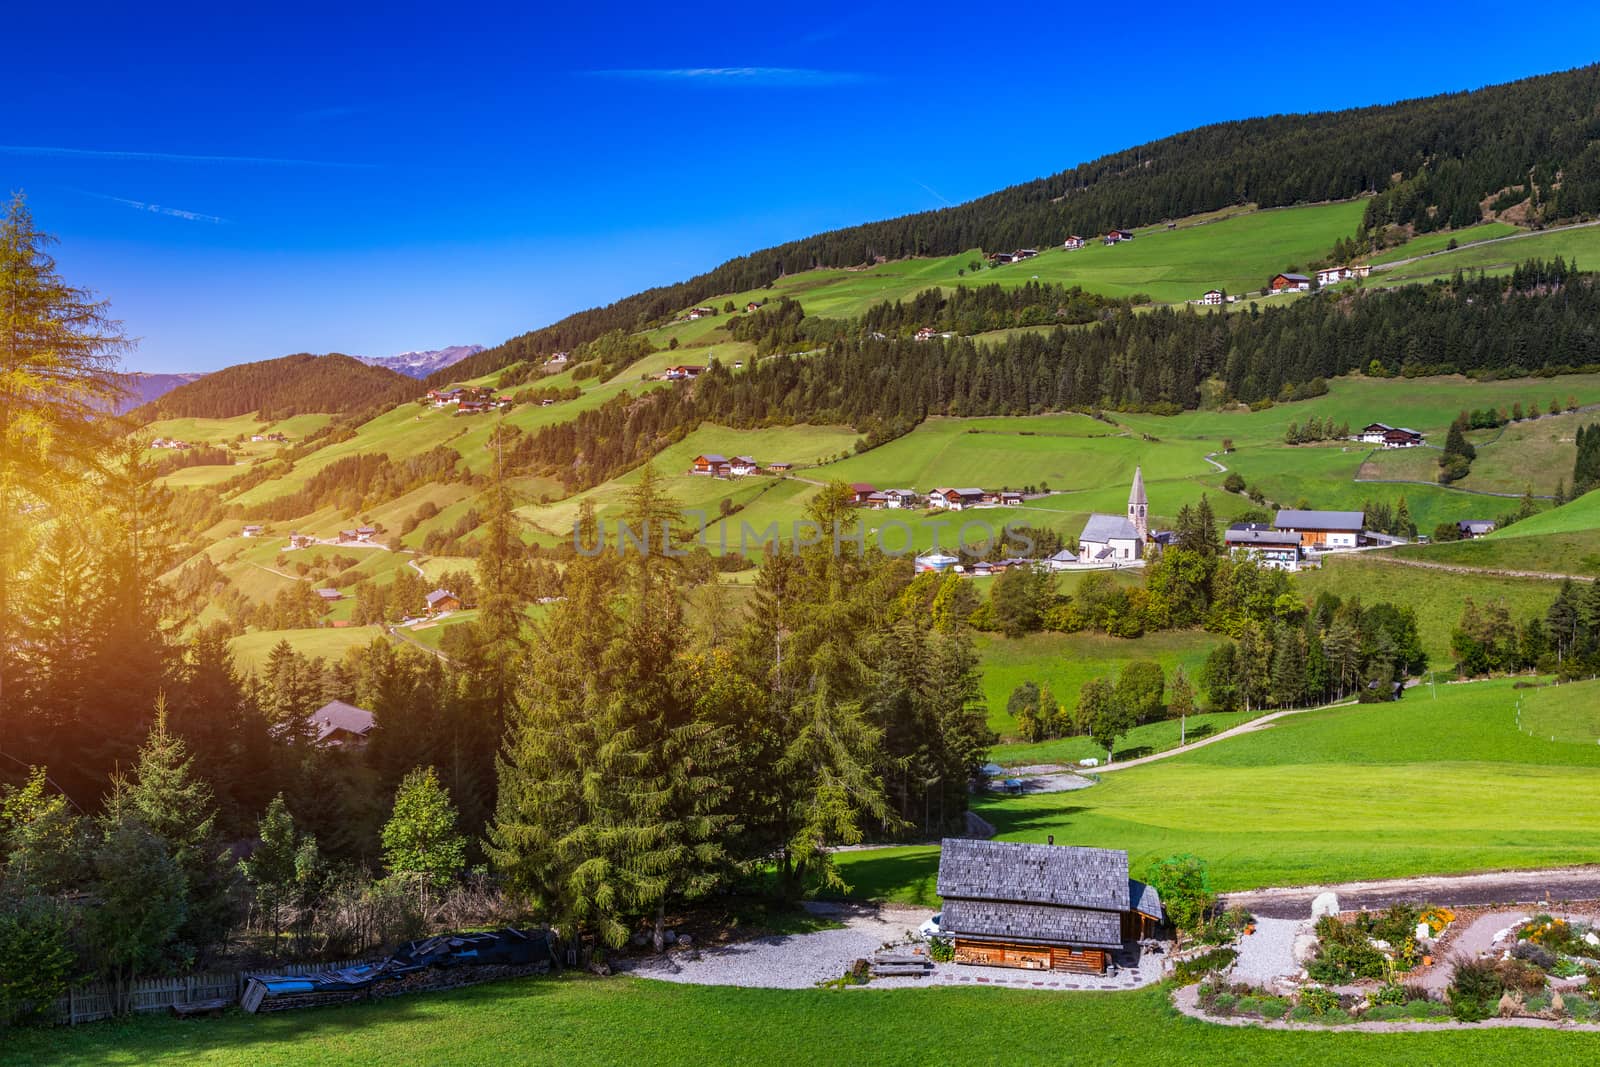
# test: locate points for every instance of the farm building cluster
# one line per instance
(1387, 436)
(466, 400)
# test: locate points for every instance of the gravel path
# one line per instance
(1458, 890)
(800, 961)
(1268, 954)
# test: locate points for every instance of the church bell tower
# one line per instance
(1139, 505)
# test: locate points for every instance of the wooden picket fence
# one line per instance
(98, 1000)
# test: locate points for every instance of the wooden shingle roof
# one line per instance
(999, 920)
(1063, 876)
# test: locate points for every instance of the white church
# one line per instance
(1114, 539)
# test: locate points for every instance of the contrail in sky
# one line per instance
(58, 152)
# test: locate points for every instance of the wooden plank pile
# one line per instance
(891, 964)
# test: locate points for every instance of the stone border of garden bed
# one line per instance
(1187, 1001)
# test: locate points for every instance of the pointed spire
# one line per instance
(1137, 495)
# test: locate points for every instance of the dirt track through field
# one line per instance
(1551, 884)
(1455, 568)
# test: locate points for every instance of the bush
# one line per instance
(1391, 994)
(34, 943)
(1319, 1002)
(1475, 989)
(1534, 953)
(1520, 976)
(941, 950)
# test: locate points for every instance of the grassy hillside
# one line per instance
(1434, 783)
(1564, 540)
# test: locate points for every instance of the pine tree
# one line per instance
(58, 355)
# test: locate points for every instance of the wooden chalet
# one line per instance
(861, 492)
(752, 307)
(1041, 907)
(780, 468)
(712, 463)
(441, 601)
(250, 531)
(341, 725)
(1073, 243)
(1284, 283)
(330, 595)
(956, 499)
(1117, 236)
(1471, 528)
(739, 466)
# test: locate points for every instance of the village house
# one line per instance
(278, 437)
(1041, 907)
(300, 540)
(559, 359)
(366, 533)
(330, 596)
(899, 498)
(752, 307)
(1073, 243)
(1379, 433)
(1025, 253)
(1116, 236)
(257, 438)
(686, 371)
(740, 466)
(250, 531)
(1001, 258)
(861, 493)
(1268, 547)
(1322, 530)
(780, 468)
(956, 499)
(1009, 497)
(927, 333)
(341, 725)
(346, 536)
(712, 463)
(1282, 283)
(442, 600)
(700, 313)
(1471, 528)
(877, 501)
(1117, 539)
(1212, 297)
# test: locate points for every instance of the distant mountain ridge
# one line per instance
(301, 384)
(422, 364)
(1428, 163)
(142, 388)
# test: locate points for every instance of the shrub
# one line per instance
(941, 950)
(1319, 1001)
(1475, 989)
(1520, 976)
(1534, 953)
(1391, 994)
(1189, 971)
(1223, 1003)
(34, 942)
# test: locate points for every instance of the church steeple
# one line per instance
(1139, 505)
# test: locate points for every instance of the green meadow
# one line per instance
(1500, 257)
(1565, 713)
(250, 650)
(1439, 782)
(579, 1020)
(1564, 540)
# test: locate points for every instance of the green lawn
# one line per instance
(1439, 782)
(1500, 257)
(582, 1020)
(1140, 741)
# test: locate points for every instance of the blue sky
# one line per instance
(242, 186)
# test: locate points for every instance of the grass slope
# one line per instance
(1434, 783)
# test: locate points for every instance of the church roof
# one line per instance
(1101, 529)
(1136, 496)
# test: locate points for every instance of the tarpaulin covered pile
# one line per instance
(503, 948)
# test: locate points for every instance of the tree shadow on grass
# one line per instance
(288, 1037)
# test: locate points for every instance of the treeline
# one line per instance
(198, 456)
(1450, 151)
(1155, 361)
(1564, 640)
(279, 388)
(365, 480)
(971, 310)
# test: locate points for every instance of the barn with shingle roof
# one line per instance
(1041, 907)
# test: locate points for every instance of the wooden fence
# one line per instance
(98, 1000)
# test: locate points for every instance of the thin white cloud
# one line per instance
(934, 192)
(156, 209)
(58, 152)
(796, 77)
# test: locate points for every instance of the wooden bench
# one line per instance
(191, 1009)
